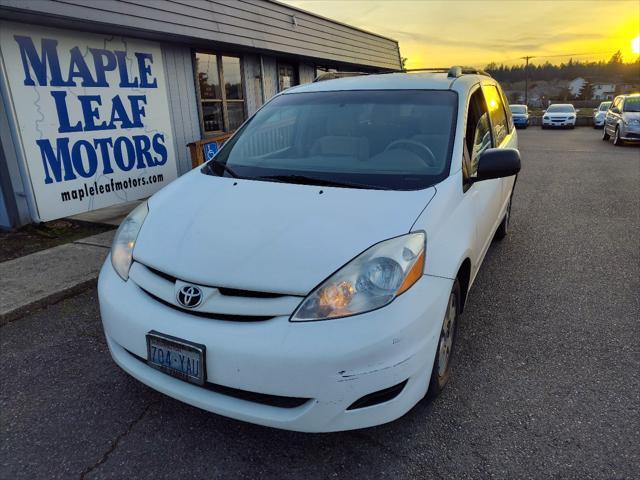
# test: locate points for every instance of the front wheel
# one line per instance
(616, 138)
(442, 364)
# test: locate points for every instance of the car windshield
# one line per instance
(560, 108)
(384, 139)
(605, 106)
(518, 108)
(631, 104)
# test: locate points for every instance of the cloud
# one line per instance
(524, 42)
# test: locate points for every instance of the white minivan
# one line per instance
(312, 275)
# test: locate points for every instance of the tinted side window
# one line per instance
(497, 113)
(477, 134)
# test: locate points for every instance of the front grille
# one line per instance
(212, 316)
(262, 398)
(230, 292)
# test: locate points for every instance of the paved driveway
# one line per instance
(546, 377)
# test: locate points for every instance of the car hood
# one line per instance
(559, 114)
(631, 116)
(267, 236)
(519, 115)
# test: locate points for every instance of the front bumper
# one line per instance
(630, 133)
(598, 122)
(332, 363)
(520, 122)
(555, 123)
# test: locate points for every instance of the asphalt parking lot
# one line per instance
(546, 379)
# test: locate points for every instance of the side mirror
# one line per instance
(498, 163)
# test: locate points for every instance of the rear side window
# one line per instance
(496, 112)
(631, 104)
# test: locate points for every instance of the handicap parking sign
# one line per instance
(209, 150)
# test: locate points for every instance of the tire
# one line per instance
(503, 228)
(446, 343)
(617, 141)
(605, 135)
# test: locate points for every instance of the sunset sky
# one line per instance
(443, 33)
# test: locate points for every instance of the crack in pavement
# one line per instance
(116, 441)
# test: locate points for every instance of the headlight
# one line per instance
(369, 281)
(546, 118)
(125, 240)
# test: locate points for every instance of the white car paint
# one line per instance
(286, 238)
(552, 118)
(599, 114)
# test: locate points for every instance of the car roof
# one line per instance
(392, 81)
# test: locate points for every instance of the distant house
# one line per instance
(603, 91)
(576, 85)
(626, 88)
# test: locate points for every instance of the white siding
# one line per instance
(253, 83)
(270, 73)
(182, 101)
(307, 73)
(252, 24)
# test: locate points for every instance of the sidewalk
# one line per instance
(46, 277)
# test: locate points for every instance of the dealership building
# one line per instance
(106, 101)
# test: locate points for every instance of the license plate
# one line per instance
(176, 357)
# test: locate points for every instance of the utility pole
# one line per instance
(526, 79)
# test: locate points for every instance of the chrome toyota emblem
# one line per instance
(189, 296)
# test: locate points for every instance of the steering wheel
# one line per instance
(429, 160)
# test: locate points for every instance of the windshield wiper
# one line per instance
(224, 167)
(305, 180)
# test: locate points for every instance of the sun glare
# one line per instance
(635, 45)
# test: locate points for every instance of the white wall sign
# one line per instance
(93, 117)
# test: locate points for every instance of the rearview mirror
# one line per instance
(497, 163)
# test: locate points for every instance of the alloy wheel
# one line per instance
(447, 334)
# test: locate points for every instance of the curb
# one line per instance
(52, 299)
(46, 277)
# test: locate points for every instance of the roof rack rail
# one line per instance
(332, 75)
(428, 69)
(457, 71)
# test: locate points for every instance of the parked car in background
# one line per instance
(622, 122)
(400, 180)
(520, 115)
(559, 115)
(599, 114)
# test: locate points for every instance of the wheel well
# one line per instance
(463, 277)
